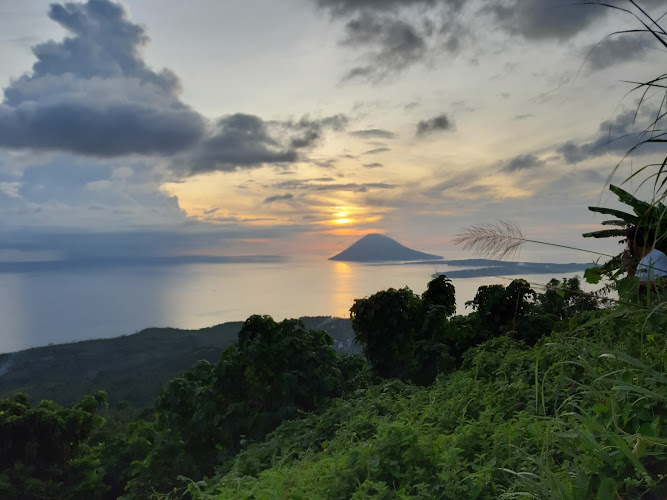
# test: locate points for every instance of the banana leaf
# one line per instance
(614, 222)
(640, 207)
(628, 218)
(606, 233)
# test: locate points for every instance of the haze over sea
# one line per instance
(66, 305)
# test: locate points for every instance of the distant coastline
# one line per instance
(480, 268)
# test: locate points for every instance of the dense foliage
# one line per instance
(414, 338)
(540, 395)
(44, 451)
(651, 217)
(274, 372)
(571, 417)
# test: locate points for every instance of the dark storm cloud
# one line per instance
(615, 50)
(239, 140)
(557, 19)
(616, 136)
(344, 7)
(545, 19)
(279, 197)
(245, 141)
(347, 7)
(395, 34)
(438, 123)
(523, 162)
(373, 133)
(395, 43)
(93, 94)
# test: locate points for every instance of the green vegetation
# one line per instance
(44, 451)
(566, 418)
(649, 216)
(132, 368)
(274, 372)
(543, 395)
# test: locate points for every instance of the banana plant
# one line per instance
(645, 215)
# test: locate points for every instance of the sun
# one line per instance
(342, 221)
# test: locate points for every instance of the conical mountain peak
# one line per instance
(379, 248)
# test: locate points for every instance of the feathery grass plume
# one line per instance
(502, 239)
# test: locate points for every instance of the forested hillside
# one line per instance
(132, 368)
(539, 394)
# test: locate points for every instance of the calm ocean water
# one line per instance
(39, 308)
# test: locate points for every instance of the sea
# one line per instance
(68, 305)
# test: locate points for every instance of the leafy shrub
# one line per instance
(275, 372)
(563, 299)
(440, 292)
(384, 324)
(499, 307)
(566, 418)
(44, 451)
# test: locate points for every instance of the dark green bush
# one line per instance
(385, 324)
(44, 452)
(275, 372)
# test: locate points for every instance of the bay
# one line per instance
(39, 308)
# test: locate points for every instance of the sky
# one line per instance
(159, 128)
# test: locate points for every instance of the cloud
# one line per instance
(393, 35)
(346, 7)
(376, 151)
(373, 133)
(238, 140)
(558, 20)
(245, 141)
(435, 124)
(351, 186)
(373, 165)
(63, 181)
(395, 44)
(279, 197)
(396, 34)
(617, 136)
(523, 162)
(545, 19)
(615, 50)
(92, 93)
(308, 132)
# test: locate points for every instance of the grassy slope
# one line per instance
(130, 368)
(550, 421)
